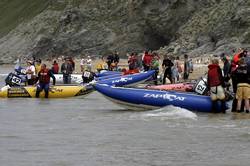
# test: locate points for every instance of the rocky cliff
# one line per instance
(48, 28)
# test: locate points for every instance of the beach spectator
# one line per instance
(100, 65)
(110, 61)
(186, 67)
(215, 83)
(67, 70)
(89, 63)
(38, 65)
(55, 67)
(147, 58)
(155, 66)
(191, 66)
(116, 61)
(166, 66)
(179, 68)
(174, 69)
(71, 60)
(30, 73)
(132, 62)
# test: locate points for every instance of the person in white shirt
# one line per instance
(83, 64)
(30, 73)
(89, 63)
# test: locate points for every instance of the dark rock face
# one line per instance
(196, 27)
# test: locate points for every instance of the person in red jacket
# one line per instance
(55, 67)
(234, 66)
(147, 59)
(215, 82)
(44, 80)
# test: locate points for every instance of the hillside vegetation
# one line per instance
(50, 28)
(14, 12)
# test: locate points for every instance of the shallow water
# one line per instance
(95, 132)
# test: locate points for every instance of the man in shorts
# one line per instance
(243, 86)
(215, 83)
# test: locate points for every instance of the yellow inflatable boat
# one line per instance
(54, 92)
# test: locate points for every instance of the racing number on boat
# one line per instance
(200, 88)
(86, 74)
(16, 80)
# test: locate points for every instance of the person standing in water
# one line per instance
(243, 86)
(44, 81)
(167, 66)
(215, 83)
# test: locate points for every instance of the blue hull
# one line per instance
(127, 79)
(151, 99)
(107, 73)
(108, 77)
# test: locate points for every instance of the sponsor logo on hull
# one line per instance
(122, 80)
(168, 97)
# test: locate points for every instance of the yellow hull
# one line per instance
(54, 92)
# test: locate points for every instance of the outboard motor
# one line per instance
(88, 76)
(19, 70)
(13, 80)
(201, 86)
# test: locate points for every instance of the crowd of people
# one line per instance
(37, 73)
(172, 67)
(235, 70)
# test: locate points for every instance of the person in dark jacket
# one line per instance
(248, 63)
(167, 65)
(215, 84)
(186, 67)
(243, 86)
(44, 76)
(233, 67)
(67, 69)
(116, 60)
(110, 61)
(226, 70)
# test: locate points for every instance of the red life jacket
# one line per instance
(44, 76)
(235, 61)
(130, 72)
(55, 68)
(147, 59)
(214, 75)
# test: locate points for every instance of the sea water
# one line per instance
(93, 131)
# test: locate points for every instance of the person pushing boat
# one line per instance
(44, 80)
(215, 82)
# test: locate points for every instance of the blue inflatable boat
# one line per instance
(107, 73)
(128, 79)
(108, 77)
(142, 99)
